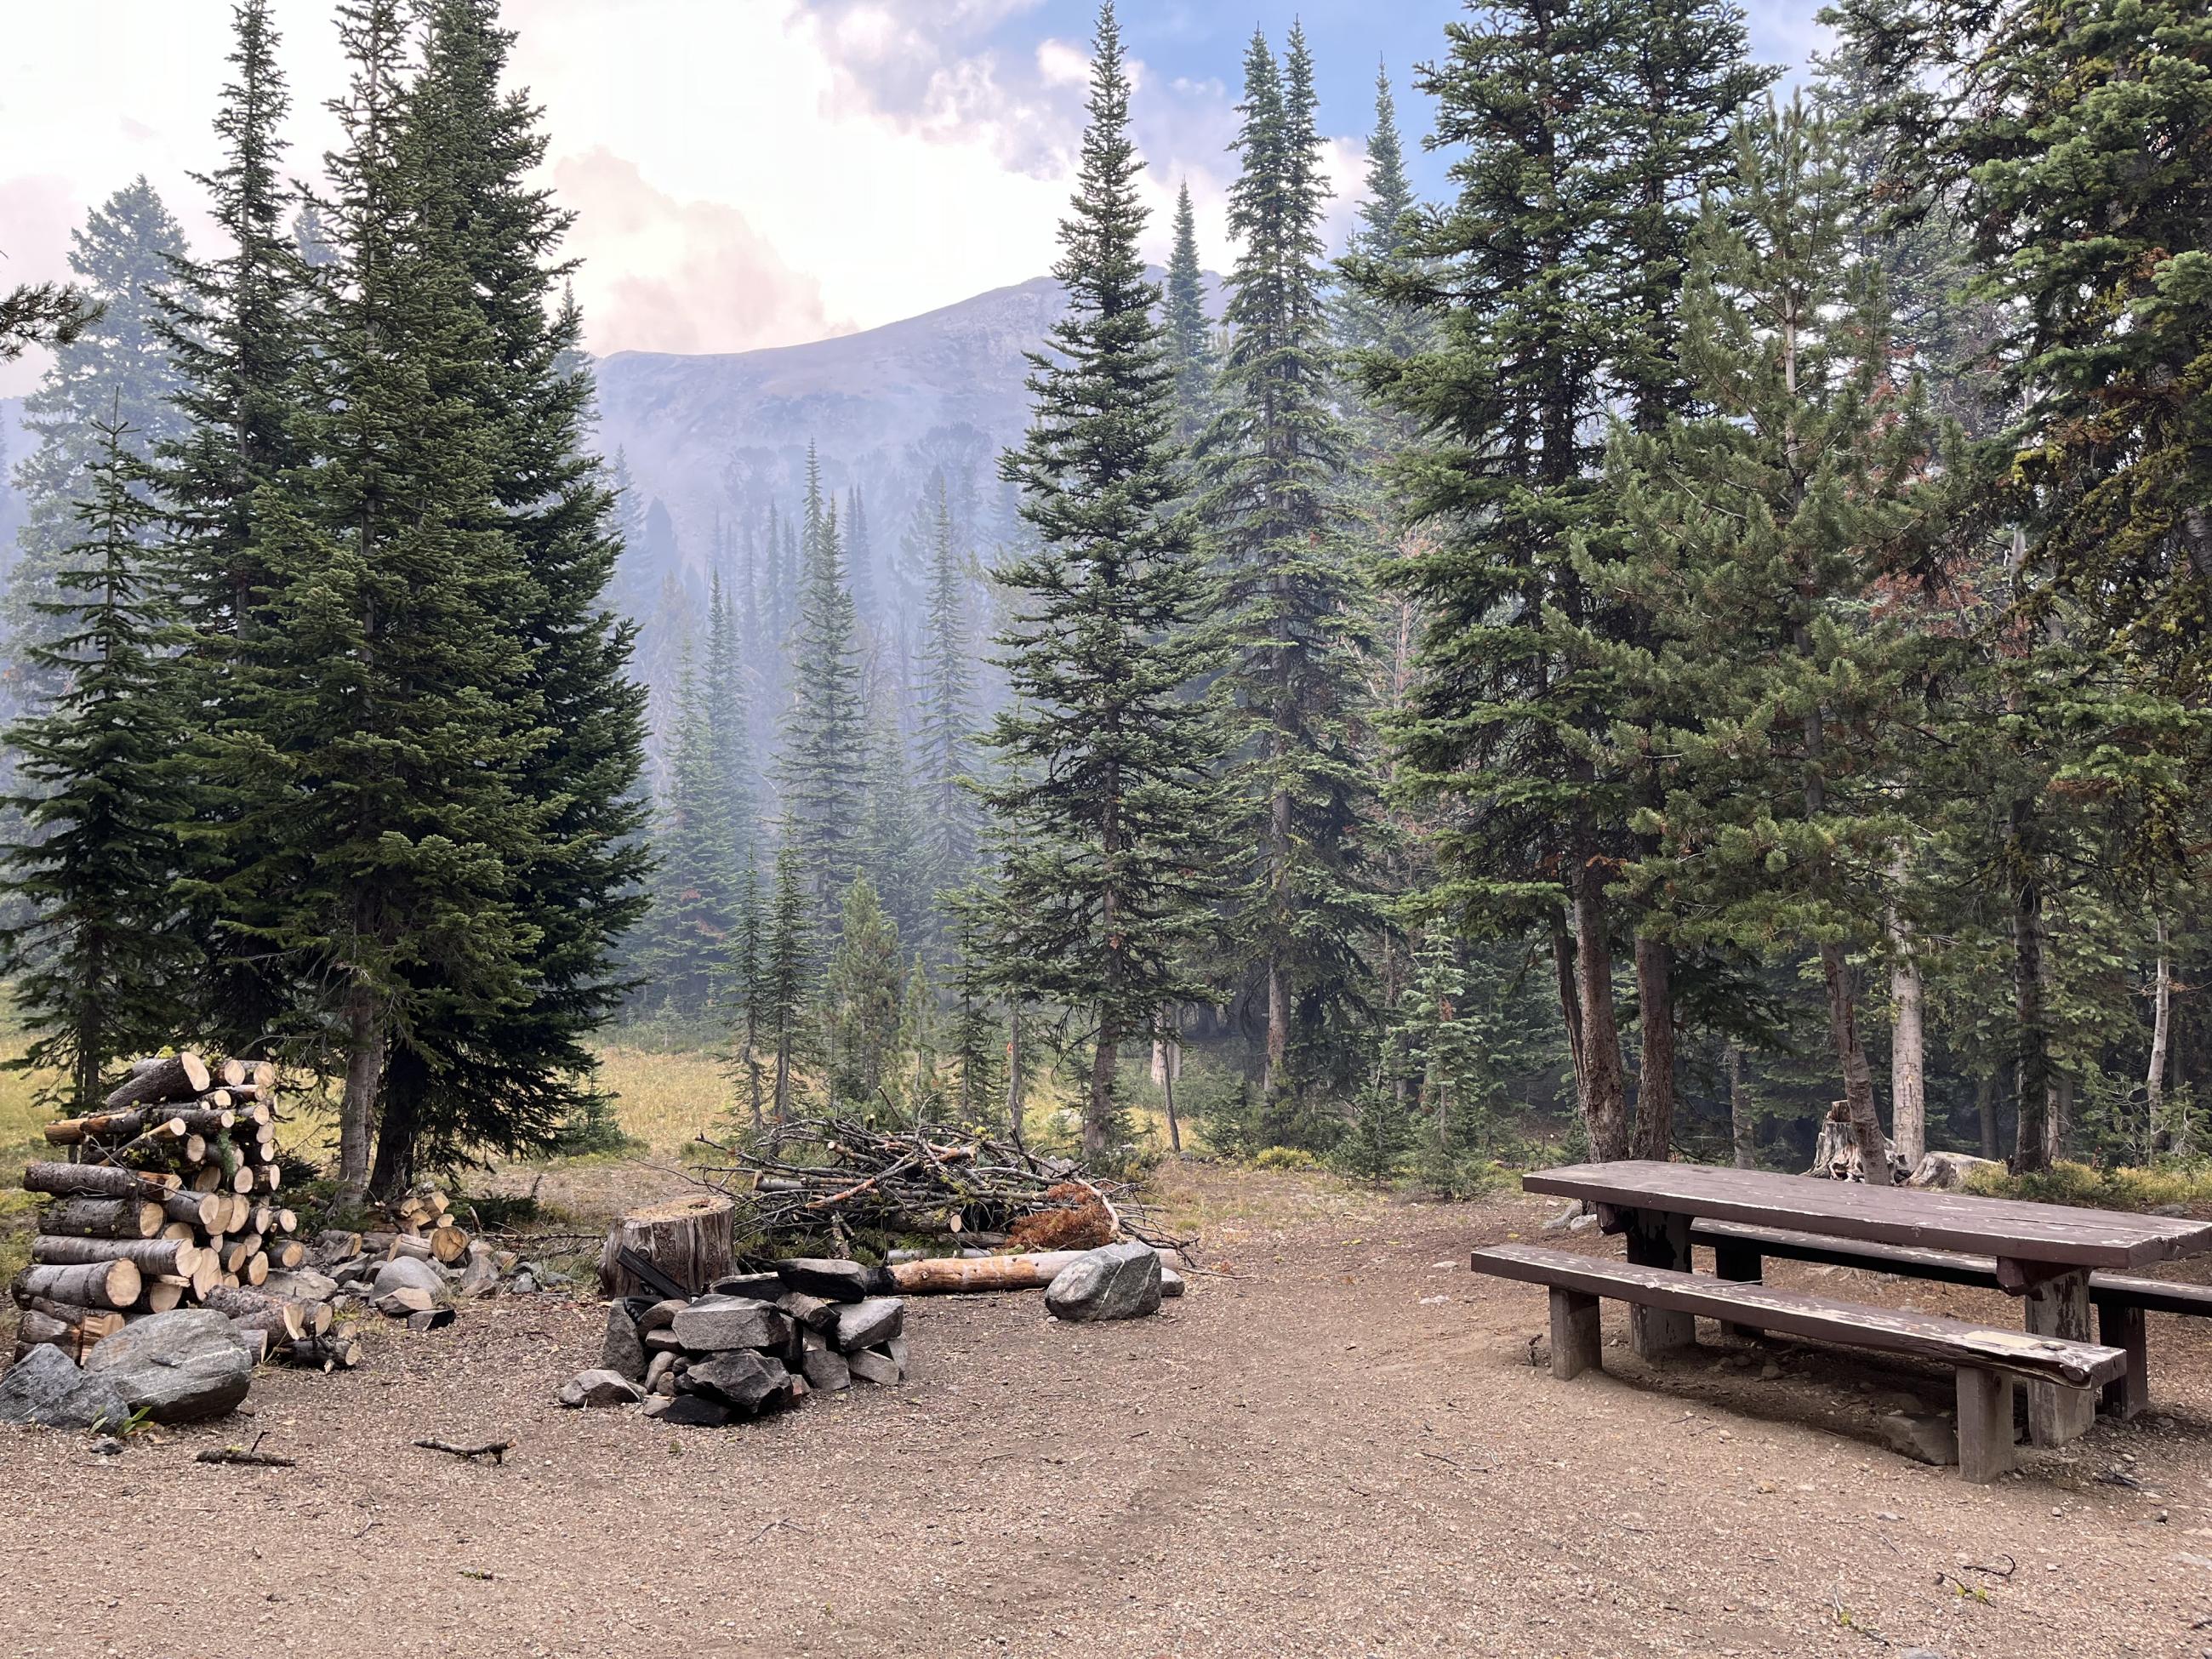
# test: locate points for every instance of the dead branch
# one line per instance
(495, 1450)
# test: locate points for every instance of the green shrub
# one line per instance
(2122, 1188)
(1285, 1158)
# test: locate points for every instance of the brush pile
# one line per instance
(839, 1175)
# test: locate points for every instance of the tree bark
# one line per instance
(1985, 1112)
(1570, 1006)
(1654, 1087)
(1850, 1055)
(102, 1217)
(1605, 1104)
(357, 1104)
(95, 1181)
(1098, 1106)
(1016, 1085)
(2161, 1009)
(954, 1274)
(172, 1077)
(93, 1284)
(689, 1239)
(1908, 1088)
(1169, 1053)
(2031, 1146)
(1740, 1120)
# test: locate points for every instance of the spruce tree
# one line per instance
(729, 721)
(821, 771)
(1293, 595)
(1189, 336)
(101, 962)
(862, 994)
(787, 977)
(1104, 821)
(385, 714)
(1364, 321)
(944, 719)
(691, 934)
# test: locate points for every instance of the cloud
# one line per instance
(665, 275)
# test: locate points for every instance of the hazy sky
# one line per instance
(748, 172)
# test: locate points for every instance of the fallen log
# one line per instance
(170, 1076)
(254, 1310)
(205, 1211)
(94, 1180)
(108, 1126)
(149, 1256)
(103, 1218)
(90, 1284)
(163, 1292)
(955, 1274)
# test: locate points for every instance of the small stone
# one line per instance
(1122, 1281)
(44, 1386)
(431, 1319)
(405, 1272)
(868, 1324)
(742, 1379)
(1887, 1515)
(1929, 1439)
(661, 1373)
(716, 1322)
(599, 1387)
(896, 1349)
(178, 1366)
(1581, 1224)
(660, 1316)
(523, 1283)
(692, 1410)
(1769, 1371)
(479, 1277)
(663, 1341)
(825, 1369)
(107, 1445)
(620, 1351)
(811, 1311)
(828, 1277)
(874, 1365)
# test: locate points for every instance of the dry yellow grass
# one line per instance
(668, 1099)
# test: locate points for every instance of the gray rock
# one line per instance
(620, 1351)
(431, 1319)
(811, 1311)
(661, 1375)
(403, 1303)
(761, 1287)
(404, 1272)
(716, 1322)
(107, 1445)
(1171, 1281)
(1121, 1281)
(694, 1411)
(825, 1369)
(896, 1349)
(741, 1379)
(660, 1316)
(827, 1277)
(304, 1284)
(1926, 1438)
(868, 1324)
(479, 1277)
(663, 1341)
(523, 1283)
(600, 1388)
(874, 1365)
(178, 1366)
(44, 1386)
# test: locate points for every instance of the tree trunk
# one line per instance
(1740, 1120)
(1570, 1006)
(2161, 1009)
(2057, 1116)
(1655, 1088)
(956, 1275)
(689, 1239)
(1016, 1085)
(1850, 1055)
(2031, 1146)
(1168, 1056)
(1908, 1089)
(172, 1077)
(93, 1284)
(102, 1217)
(1605, 1103)
(357, 1105)
(1098, 1107)
(400, 1124)
(96, 1181)
(1985, 1112)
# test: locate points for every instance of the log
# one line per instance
(286, 1222)
(207, 1274)
(172, 1077)
(204, 1211)
(254, 1310)
(256, 1268)
(231, 1073)
(448, 1242)
(334, 1349)
(103, 1218)
(689, 1239)
(207, 1179)
(284, 1254)
(337, 1246)
(202, 1123)
(162, 1294)
(399, 1244)
(90, 1284)
(151, 1255)
(956, 1274)
(105, 1126)
(262, 1177)
(93, 1181)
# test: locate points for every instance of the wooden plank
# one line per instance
(2152, 1294)
(1885, 1215)
(1985, 1424)
(1576, 1345)
(1655, 1239)
(1795, 1313)
(1949, 1267)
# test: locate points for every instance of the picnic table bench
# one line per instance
(2046, 1255)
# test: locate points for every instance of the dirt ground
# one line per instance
(1335, 1445)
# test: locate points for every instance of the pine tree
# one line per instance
(1762, 530)
(686, 951)
(860, 560)
(729, 722)
(387, 715)
(895, 851)
(1365, 322)
(116, 370)
(862, 995)
(788, 976)
(578, 881)
(945, 716)
(1189, 336)
(821, 771)
(1294, 596)
(979, 1026)
(1102, 826)
(102, 963)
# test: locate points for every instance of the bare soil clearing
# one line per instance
(1343, 1449)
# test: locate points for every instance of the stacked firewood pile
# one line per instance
(840, 1175)
(753, 1344)
(167, 1198)
(415, 1265)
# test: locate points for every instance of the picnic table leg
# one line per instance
(1985, 1424)
(1739, 1264)
(2058, 1307)
(2122, 1325)
(1657, 1239)
(1576, 1344)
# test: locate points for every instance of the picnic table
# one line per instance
(2044, 1254)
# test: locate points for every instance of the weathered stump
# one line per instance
(689, 1239)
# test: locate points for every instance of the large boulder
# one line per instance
(178, 1366)
(1120, 1281)
(599, 1387)
(715, 1322)
(404, 1272)
(828, 1277)
(869, 1323)
(44, 1386)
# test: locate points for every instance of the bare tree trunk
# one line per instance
(1908, 1084)
(1098, 1109)
(1570, 1006)
(1740, 1128)
(1654, 1089)
(1167, 1063)
(1985, 1111)
(2161, 1009)
(2057, 1116)
(1278, 991)
(365, 1041)
(1851, 1054)
(2031, 1146)
(1605, 1101)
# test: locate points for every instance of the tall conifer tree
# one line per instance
(1189, 336)
(822, 770)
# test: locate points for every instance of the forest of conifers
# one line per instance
(1706, 621)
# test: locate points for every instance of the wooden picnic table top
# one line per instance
(1885, 1215)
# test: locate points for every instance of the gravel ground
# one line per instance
(1338, 1446)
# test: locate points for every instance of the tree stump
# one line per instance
(687, 1239)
